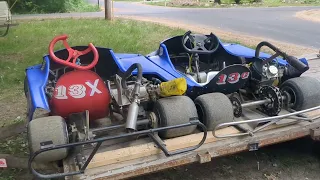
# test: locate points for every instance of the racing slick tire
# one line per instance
(304, 92)
(213, 109)
(51, 130)
(172, 111)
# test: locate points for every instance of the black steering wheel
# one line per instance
(293, 61)
(200, 43)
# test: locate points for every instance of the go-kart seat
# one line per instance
(205, 78)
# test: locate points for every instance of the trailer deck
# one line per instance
(138, 157)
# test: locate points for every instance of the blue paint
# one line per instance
(37, 79)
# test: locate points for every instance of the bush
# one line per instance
(48, 6)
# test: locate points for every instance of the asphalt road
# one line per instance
(275, 23)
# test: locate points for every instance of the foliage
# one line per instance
(49, 6)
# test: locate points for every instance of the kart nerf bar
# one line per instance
(99, 141)
(272, 120)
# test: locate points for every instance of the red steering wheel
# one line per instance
(73, 54)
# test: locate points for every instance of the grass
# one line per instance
(231, 3)
(11, 173)
(16, 145)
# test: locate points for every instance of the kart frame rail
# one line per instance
(297, 115)
(99, 141)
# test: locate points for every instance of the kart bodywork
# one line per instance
(175, 91)
(157, 64)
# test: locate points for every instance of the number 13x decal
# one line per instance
(77, 90)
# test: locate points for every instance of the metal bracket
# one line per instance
(159, 140)
(254, 146)
(315, 134)
(204, 157)
(46, 144)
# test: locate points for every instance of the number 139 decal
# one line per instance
(77, 90)
(232, 78)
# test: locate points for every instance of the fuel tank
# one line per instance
(81, 90)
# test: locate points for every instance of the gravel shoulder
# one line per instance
(309, 15)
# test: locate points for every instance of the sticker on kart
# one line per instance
(229, 79)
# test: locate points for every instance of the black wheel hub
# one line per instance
(236, 103)
(272, 93)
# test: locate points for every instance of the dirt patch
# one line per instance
(310, 15)
(12, 58)
(247, 40)
(12, 109)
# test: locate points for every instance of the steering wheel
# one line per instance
(200, 43)
(293, 61)
(73, 54)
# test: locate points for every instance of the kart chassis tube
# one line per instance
(99, 141)
(108, 128)
(272, 120)
(255, 103)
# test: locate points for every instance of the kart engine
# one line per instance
(266, 73)
(132, 96)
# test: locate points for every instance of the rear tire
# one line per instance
(46, 129)
(175, 110)
(304, 92)
(213, 109)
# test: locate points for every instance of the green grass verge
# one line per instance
(231, 3)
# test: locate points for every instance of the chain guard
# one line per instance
(273, 93)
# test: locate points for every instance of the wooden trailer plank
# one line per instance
(148, 149)
(146, 158)
(128, 153)
(228, 146)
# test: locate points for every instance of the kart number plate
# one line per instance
(232, 78)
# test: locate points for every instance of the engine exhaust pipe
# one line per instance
(131, 123)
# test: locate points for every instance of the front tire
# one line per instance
(51, 130)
